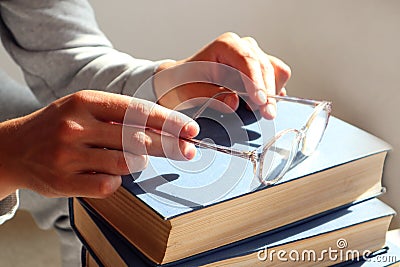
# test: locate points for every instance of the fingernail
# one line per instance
(283, 92)
(271, 110)
(231, 101)
(262, 97)
(190, 151)
(110, 185)
(192, 129)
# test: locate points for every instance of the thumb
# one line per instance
(198, 94)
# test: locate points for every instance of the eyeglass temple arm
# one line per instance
(223, 149)
(242, 154)
(299, 100)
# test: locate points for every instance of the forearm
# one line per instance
(61, 50)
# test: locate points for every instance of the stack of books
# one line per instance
(210, 211)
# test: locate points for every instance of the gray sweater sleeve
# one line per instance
(8, 207)
(61, 50)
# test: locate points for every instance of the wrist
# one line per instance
(165, 64)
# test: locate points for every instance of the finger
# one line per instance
(145, 113)
(269, 110)
(113, 162)
(282, 72)
(237, 53)
(283, 92)
(139, 141)
(153, 143)
(118, 108)
(94, 185)
(196, 94)
(267, 68)
(104, 106)
(104, 135)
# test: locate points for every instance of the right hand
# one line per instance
(74, 146)
(262, 75)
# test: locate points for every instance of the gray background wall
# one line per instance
(344, 51)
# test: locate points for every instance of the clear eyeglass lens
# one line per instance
(275, 159)
(314, 133)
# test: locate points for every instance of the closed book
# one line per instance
(173, 210)
(389, 256)
(350, 233)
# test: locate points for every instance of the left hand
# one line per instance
(267, 73)
(75, 145)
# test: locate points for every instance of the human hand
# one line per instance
(74, 146)
(268, 74)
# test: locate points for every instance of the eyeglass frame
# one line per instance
(258, 158)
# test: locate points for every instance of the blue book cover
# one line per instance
(173, 188)
(338, 232)
(215, 187)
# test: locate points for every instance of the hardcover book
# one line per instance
(389, 256)
(351, 233)
(173, 210)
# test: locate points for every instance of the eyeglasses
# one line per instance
(273, 159)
